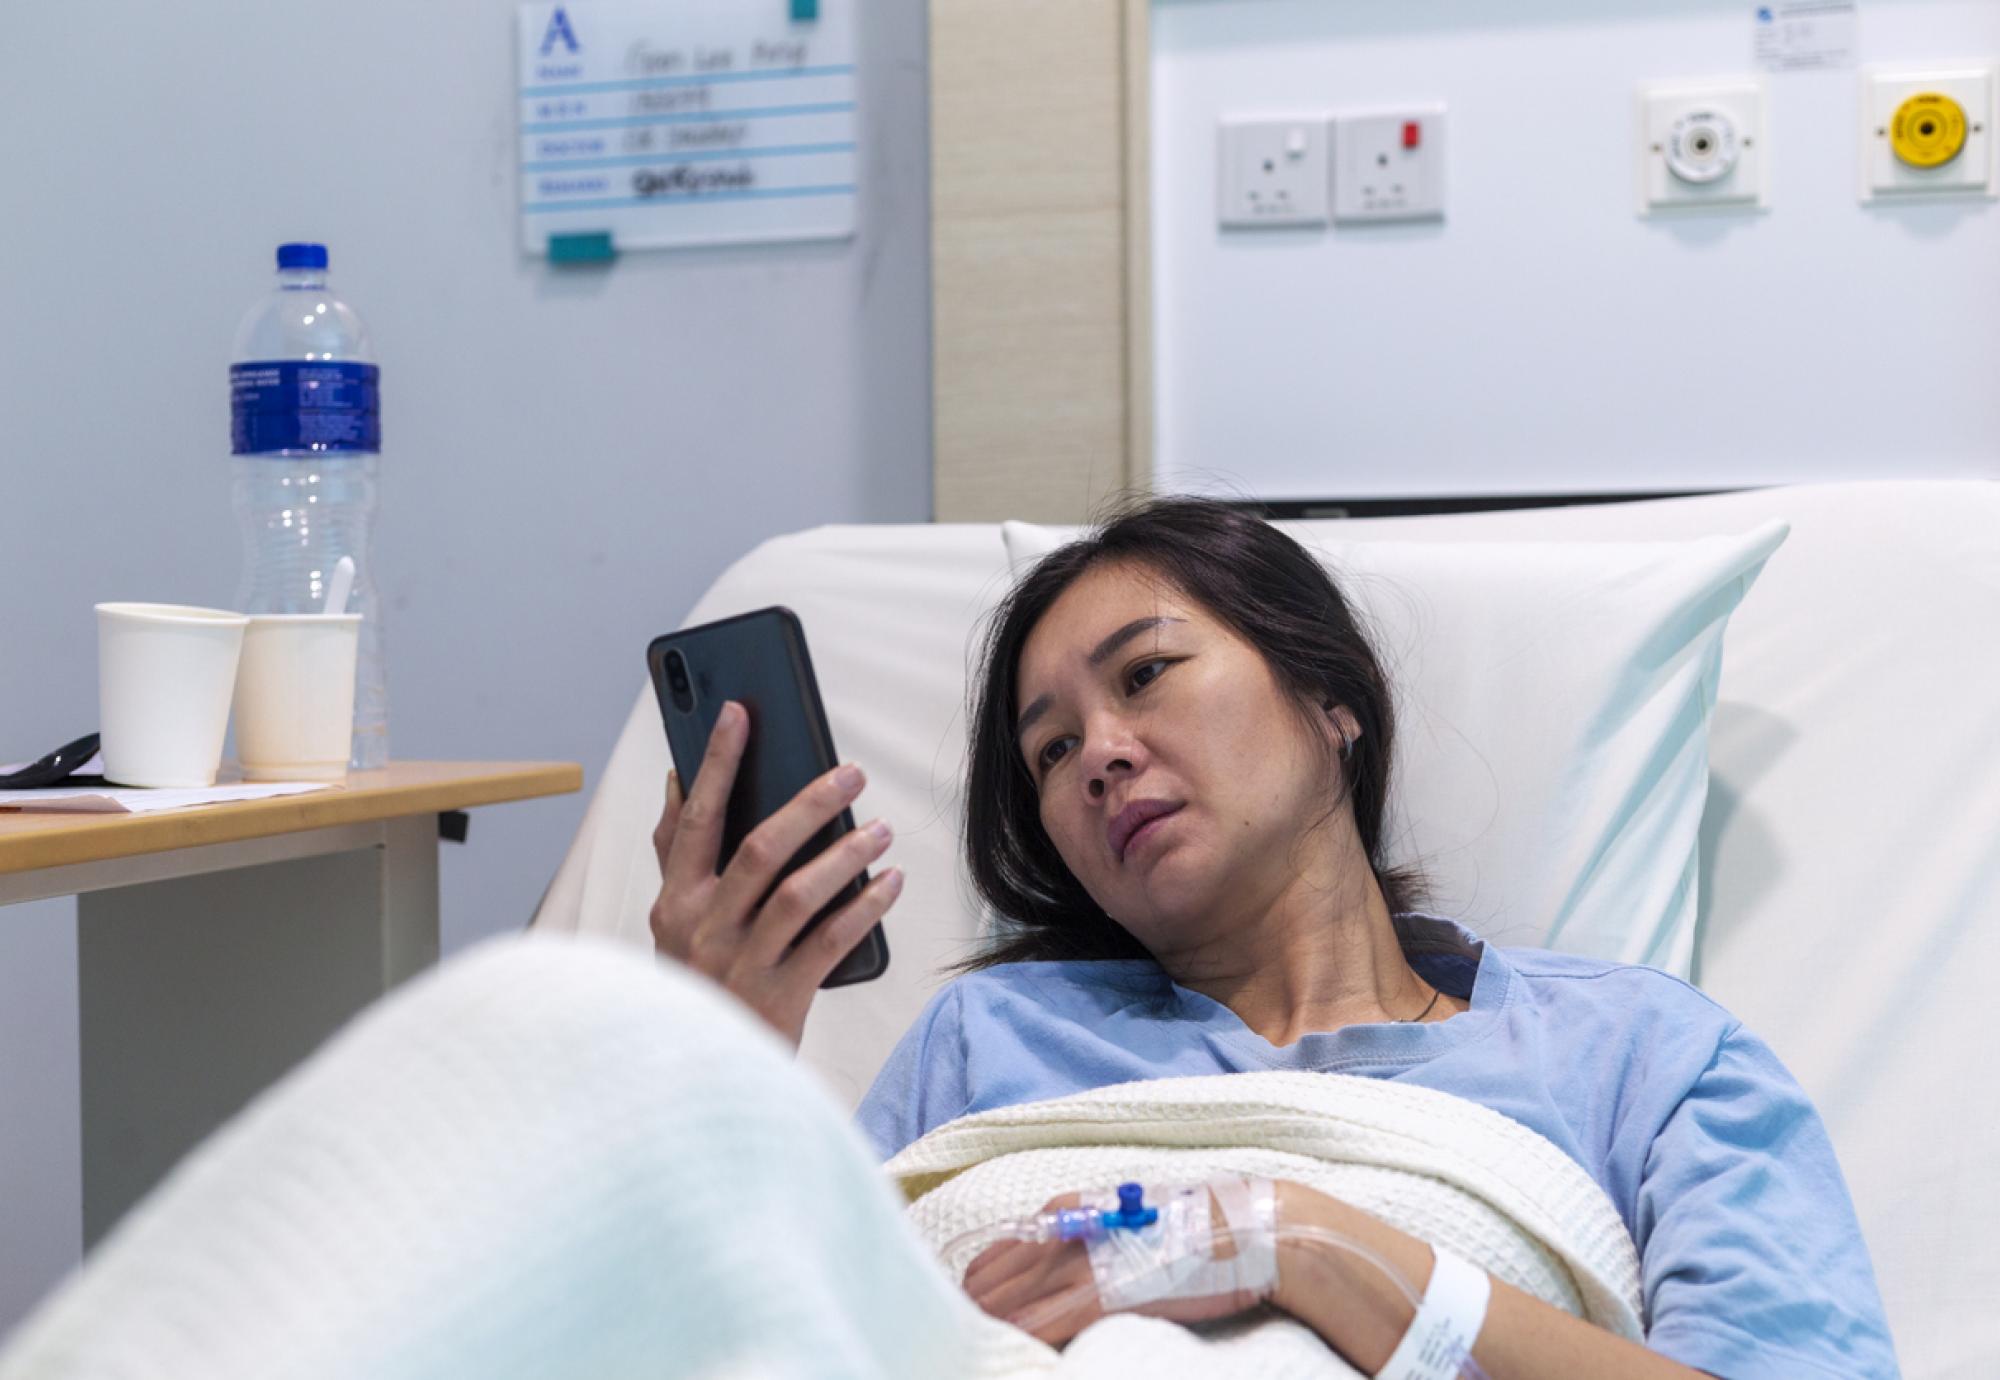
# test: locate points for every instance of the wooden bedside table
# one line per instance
(218, 946)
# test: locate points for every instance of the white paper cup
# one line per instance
(295, 696)
(164, 677)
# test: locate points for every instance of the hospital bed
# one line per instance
(1849, 864)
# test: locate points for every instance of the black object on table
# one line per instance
(58, 767)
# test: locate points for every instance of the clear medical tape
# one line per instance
(1088, 1224)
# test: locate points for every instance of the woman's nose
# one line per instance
(1098, 786)
(1107, 752)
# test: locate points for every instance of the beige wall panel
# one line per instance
(1028, 371)
(1137, 75)
(1032, 255)
(1026, 105)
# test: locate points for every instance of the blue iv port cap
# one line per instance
(301, 256)
(1131, 1215)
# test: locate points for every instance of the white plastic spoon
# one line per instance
(337, 589)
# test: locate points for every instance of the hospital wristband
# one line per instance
(1447, 1322)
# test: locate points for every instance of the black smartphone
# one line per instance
(759, 659)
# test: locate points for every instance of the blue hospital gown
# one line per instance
(1751, 1261)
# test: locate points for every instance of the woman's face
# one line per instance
(1131, 692)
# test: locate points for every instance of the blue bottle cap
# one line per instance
(301, 256)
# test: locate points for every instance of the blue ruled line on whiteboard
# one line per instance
(757, 194)
(627, 121)
(692, 156)
(588, 88)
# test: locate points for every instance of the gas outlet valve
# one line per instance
(1928, 134)
(1927, 130)
(1701, 146)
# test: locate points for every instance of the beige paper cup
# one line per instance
(164, 677)
(295, 696)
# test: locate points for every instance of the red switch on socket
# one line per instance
(1412, 134)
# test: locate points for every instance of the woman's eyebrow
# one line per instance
(1096, 658)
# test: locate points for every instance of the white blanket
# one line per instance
(1447, 1170)
(560, 1157)
(549, 1157)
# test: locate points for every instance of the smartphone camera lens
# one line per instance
(677, 682)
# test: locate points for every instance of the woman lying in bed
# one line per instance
(1181, 747)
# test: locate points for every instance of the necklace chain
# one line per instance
(1435, 994)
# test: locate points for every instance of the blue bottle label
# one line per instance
(289, 404)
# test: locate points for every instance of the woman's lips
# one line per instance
(1146, 831)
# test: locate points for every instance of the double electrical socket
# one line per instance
(1352, 167)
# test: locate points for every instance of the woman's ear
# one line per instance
(1345, 724)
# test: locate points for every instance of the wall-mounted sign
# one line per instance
(681, 122)
(1803, 35)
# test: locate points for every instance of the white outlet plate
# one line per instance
(1885, 177)
(1389, 165)
(1703, 147)
(1271, 172)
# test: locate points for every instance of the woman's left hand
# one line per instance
(1048, 1290)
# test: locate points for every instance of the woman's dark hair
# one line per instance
(1273, 594)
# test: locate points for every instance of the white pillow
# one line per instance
(1553, 703)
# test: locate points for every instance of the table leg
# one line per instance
(197, 993)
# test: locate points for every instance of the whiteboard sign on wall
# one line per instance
(1803, 35)
(686, 122)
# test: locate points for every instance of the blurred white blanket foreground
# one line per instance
(559, 1156)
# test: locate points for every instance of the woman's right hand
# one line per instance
(714, 924)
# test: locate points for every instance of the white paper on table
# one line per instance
(145, 800)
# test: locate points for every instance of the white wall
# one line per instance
(570, 457)
(1544, 337)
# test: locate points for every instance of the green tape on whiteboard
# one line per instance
(804, 11)
(592, 248)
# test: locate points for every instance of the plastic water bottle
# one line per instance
(305, 431)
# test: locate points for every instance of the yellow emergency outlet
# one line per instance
(1928, 129)
(1928, 133)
